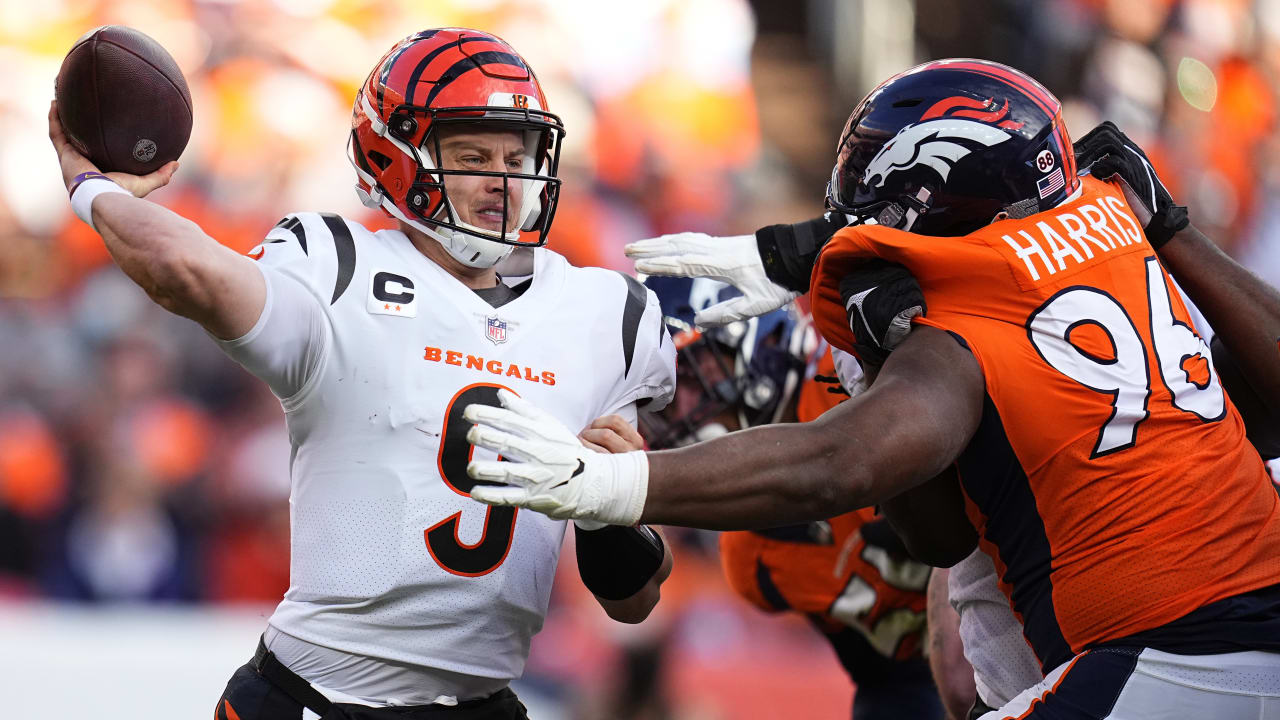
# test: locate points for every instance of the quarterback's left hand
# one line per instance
(548, 469)
(611, 434)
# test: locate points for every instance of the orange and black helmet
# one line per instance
(443, 77)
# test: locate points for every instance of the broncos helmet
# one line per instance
(946, 146)
(446, 77)
(752, 367)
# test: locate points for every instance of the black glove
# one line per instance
(880, 299)
(1107, 152)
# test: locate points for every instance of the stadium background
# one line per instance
(143, 476)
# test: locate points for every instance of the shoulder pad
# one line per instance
(325, 239)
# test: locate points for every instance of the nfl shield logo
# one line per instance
(496, 330)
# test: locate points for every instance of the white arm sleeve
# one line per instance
(288, 345)
(993, 640)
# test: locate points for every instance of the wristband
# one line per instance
(77, 180)
(789, 252)
(617, 562)
(85, 189)
(617, 491)
(1165, 224)
(634, 469)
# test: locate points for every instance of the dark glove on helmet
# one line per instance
(1107, 152)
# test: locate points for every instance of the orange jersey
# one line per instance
(831, 573)
(1110, 478)
(839, 580)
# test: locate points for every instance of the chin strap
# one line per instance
(1022, 209)
(466, 248)
(902, 215)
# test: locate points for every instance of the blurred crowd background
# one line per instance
(138, 465)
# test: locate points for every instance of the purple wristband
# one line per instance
(79, 180)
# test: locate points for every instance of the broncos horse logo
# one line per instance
(946, 133)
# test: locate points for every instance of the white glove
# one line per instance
(549, 470)
(734, 260)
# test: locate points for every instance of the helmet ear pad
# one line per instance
(387, 170)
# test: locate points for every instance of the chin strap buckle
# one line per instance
(903, 215)
(1022, 209)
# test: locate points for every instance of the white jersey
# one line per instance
(374, 351)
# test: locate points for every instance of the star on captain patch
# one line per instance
(391, 294)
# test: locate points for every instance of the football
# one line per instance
(123, 102)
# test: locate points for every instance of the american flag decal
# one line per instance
(1050, 184)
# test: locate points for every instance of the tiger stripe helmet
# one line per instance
(946, 146)
(443, 77)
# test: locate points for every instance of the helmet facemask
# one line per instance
(710, 366)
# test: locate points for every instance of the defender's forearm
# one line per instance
(761, 477)
(931, 521)
(913, 423)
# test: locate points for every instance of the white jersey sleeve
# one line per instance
(288, 345)
(649, 379)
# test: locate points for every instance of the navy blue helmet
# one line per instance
(752, 367)
(944, 147)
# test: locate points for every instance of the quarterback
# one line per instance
(1132, 525)
(404, 592)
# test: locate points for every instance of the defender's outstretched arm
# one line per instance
(905, 430)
